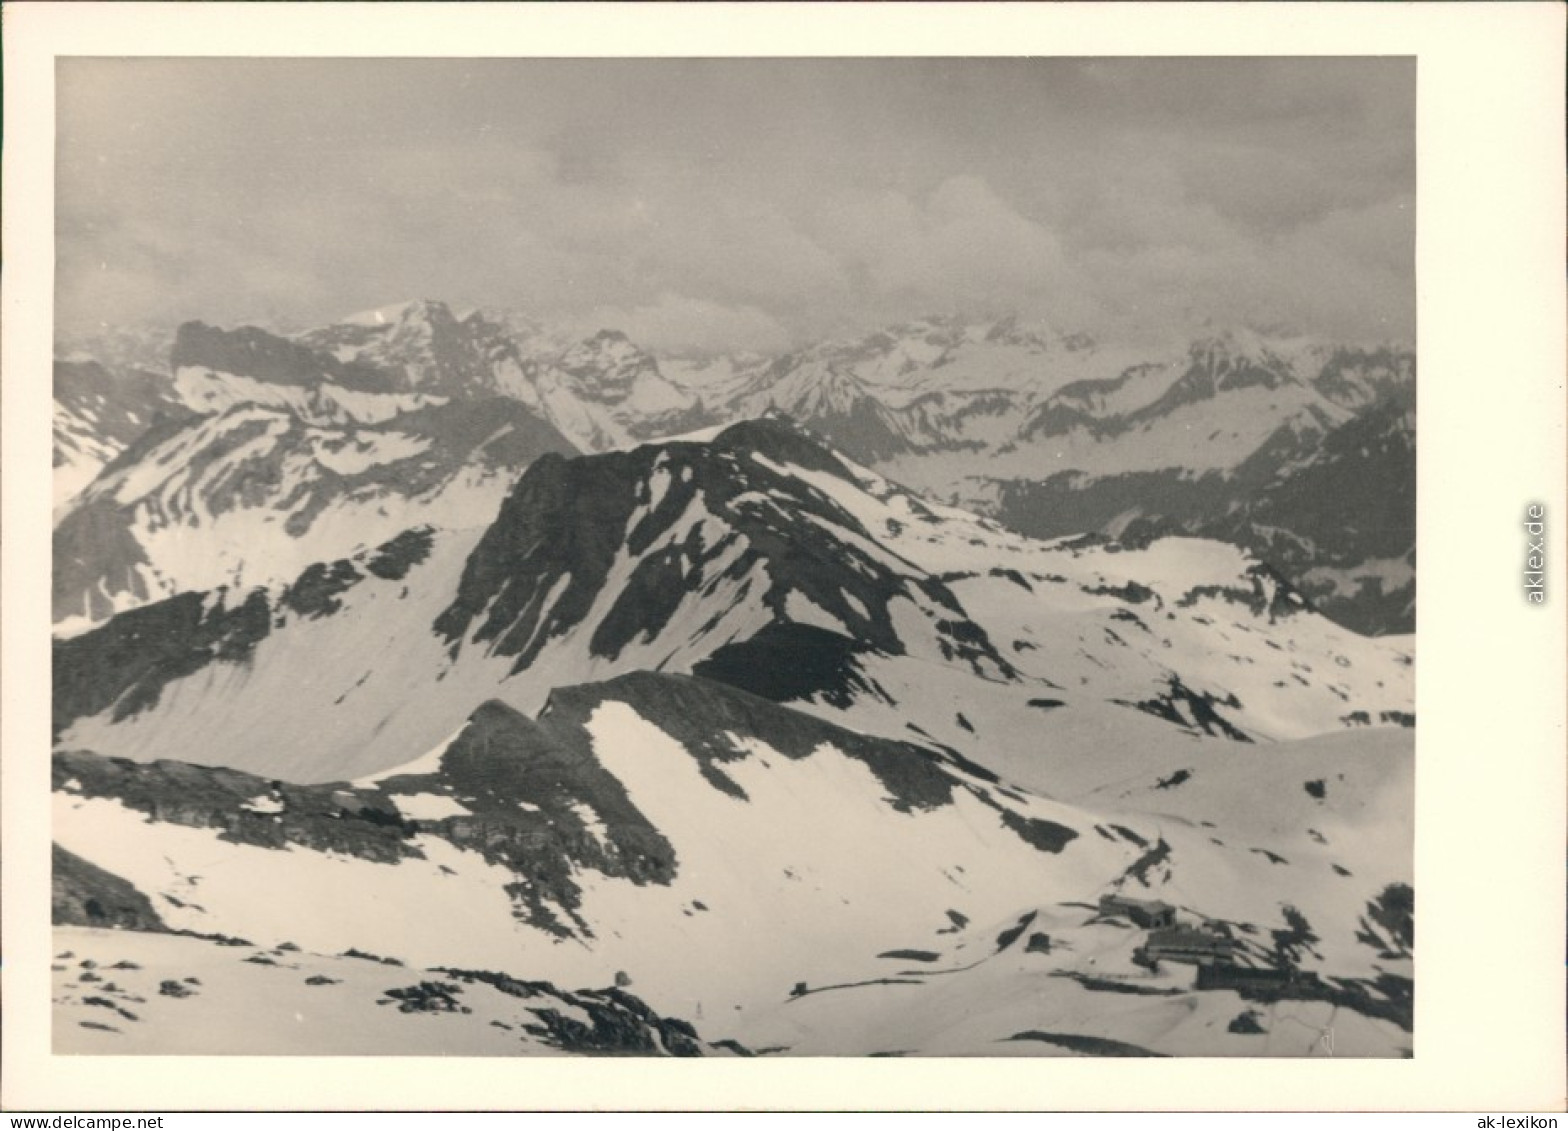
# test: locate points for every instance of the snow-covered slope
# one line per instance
(98, 413)
(754, 869)
(118, 993)
(783, 748)
(653, 559)
(280, 456)
(1304, 457)
(614, 821)
(252, 495)
(1144, 690)
(758, 558)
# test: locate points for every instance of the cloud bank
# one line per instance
(732, 204)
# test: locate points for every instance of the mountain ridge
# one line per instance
(1041, 429)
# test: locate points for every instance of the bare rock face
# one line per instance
(84, 895)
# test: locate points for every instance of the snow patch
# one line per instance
(429, 806)
(425, 764)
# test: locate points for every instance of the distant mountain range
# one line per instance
(219, 467)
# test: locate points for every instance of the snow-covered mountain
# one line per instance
(281, 456)
(426, 347)
(98, 413)
(668, 680)
(601, 392)
(1051, 433)
(1056, 434)
(796, 756)
(1314, 474)
(673, 556)
(937, 384)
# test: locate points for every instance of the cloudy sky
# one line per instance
(725, 204)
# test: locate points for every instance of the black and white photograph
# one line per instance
(737, 557)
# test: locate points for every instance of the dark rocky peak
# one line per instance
(566, 518)
(264, 356)
(571, 519)
(686, 520)
(781, 439)
(427, 347)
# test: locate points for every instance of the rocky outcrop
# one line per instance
(84, 895)
(543, 564)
